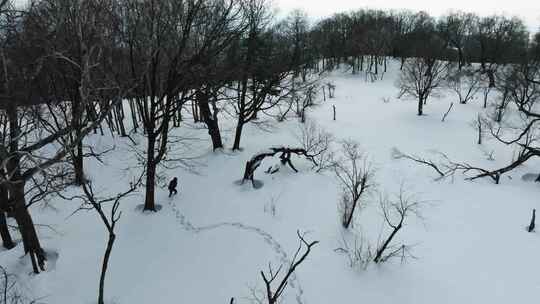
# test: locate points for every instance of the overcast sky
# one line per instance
(528, 10)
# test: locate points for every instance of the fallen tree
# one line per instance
(285, 158)
(445, 167)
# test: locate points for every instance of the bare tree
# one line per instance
(275, 288)
(37, 134)
(304, 97)
(421, 78)
(172, 47)
(92, 202)
(317, 143)
(465, 83)
(296, 29)
(456, 29)
(78, 55)
(265, 70)
(395, 214)
(355, 175)
(227, 25)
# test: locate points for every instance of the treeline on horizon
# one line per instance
(362, 39)
(457, 36)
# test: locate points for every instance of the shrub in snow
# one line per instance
(318, 143)
(275, 286)
(395, 212)
(355, 175)
(358, 251)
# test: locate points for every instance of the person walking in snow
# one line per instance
(172, 186)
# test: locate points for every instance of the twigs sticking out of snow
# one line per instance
(359, 252)
(270, 207)
(10, 293)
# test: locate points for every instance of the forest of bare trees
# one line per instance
(121, 67)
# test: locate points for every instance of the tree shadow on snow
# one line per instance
(529, 177)
(140, 208)
(257, 184)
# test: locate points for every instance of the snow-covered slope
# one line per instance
(210, 242)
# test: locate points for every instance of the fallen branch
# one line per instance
(396, 154)
(447, 167)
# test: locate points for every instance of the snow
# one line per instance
(210, 242)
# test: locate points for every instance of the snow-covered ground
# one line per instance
(210, 242)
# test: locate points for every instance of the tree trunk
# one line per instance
(420, 106)
(104, 267)
(133, 111)
(460, 58)
(210, 119)
(195, 111)
(149, 201)
(533, 222)
(78, 163)
(30, 239)
(7, 241)
(348, 221)
(486, 93)
(120, 115)
(238, 134)
(16, 193)
(381, 250)
(491, 76)
(77, 154)
(479, 121)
